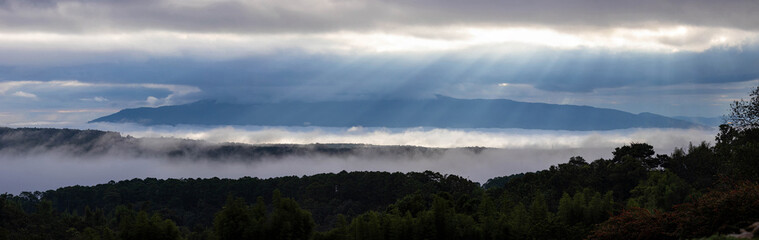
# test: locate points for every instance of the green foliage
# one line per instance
(440, 220)
(661, 190)
(192, 202)
(738, 140)
(585, 211)
(499, 182)
(699, 166)
(142, 226)
(288, 220)
(46, 223)
(640, 151)
(237, 220)
(737, 150)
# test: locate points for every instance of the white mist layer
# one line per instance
(49, 171)
(663, 139)
(517, 151)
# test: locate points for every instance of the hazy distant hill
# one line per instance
(443, 112)
(707, 121)
(22, 141)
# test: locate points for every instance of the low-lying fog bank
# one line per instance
(662, 139)
(509, 151)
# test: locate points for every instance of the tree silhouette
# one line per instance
(744, 114)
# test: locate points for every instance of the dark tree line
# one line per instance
(192, 202)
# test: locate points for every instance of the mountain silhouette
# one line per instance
(441, 112)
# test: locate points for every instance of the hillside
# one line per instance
(20, 141)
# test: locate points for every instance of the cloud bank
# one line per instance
(331, 15)
(61, 102)
(573, 52)
(231, 28)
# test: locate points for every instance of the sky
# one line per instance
(69, 61)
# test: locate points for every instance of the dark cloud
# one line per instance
(335, 15)
(301, 76)
(682, 83)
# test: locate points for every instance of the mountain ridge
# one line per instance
(442, 112)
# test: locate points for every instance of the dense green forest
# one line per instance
(700, 191)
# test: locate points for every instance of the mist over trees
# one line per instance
(636, 194)
(700, 191)
(95, 143)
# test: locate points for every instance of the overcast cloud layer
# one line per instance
(70, 61)
(332, 15)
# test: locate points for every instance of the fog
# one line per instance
(510, 151)
(661, 139)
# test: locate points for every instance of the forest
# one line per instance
(702, 191)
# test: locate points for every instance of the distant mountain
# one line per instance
(442, 112)
(706, 121)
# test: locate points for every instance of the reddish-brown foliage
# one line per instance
(636, 223)
(719, 211)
